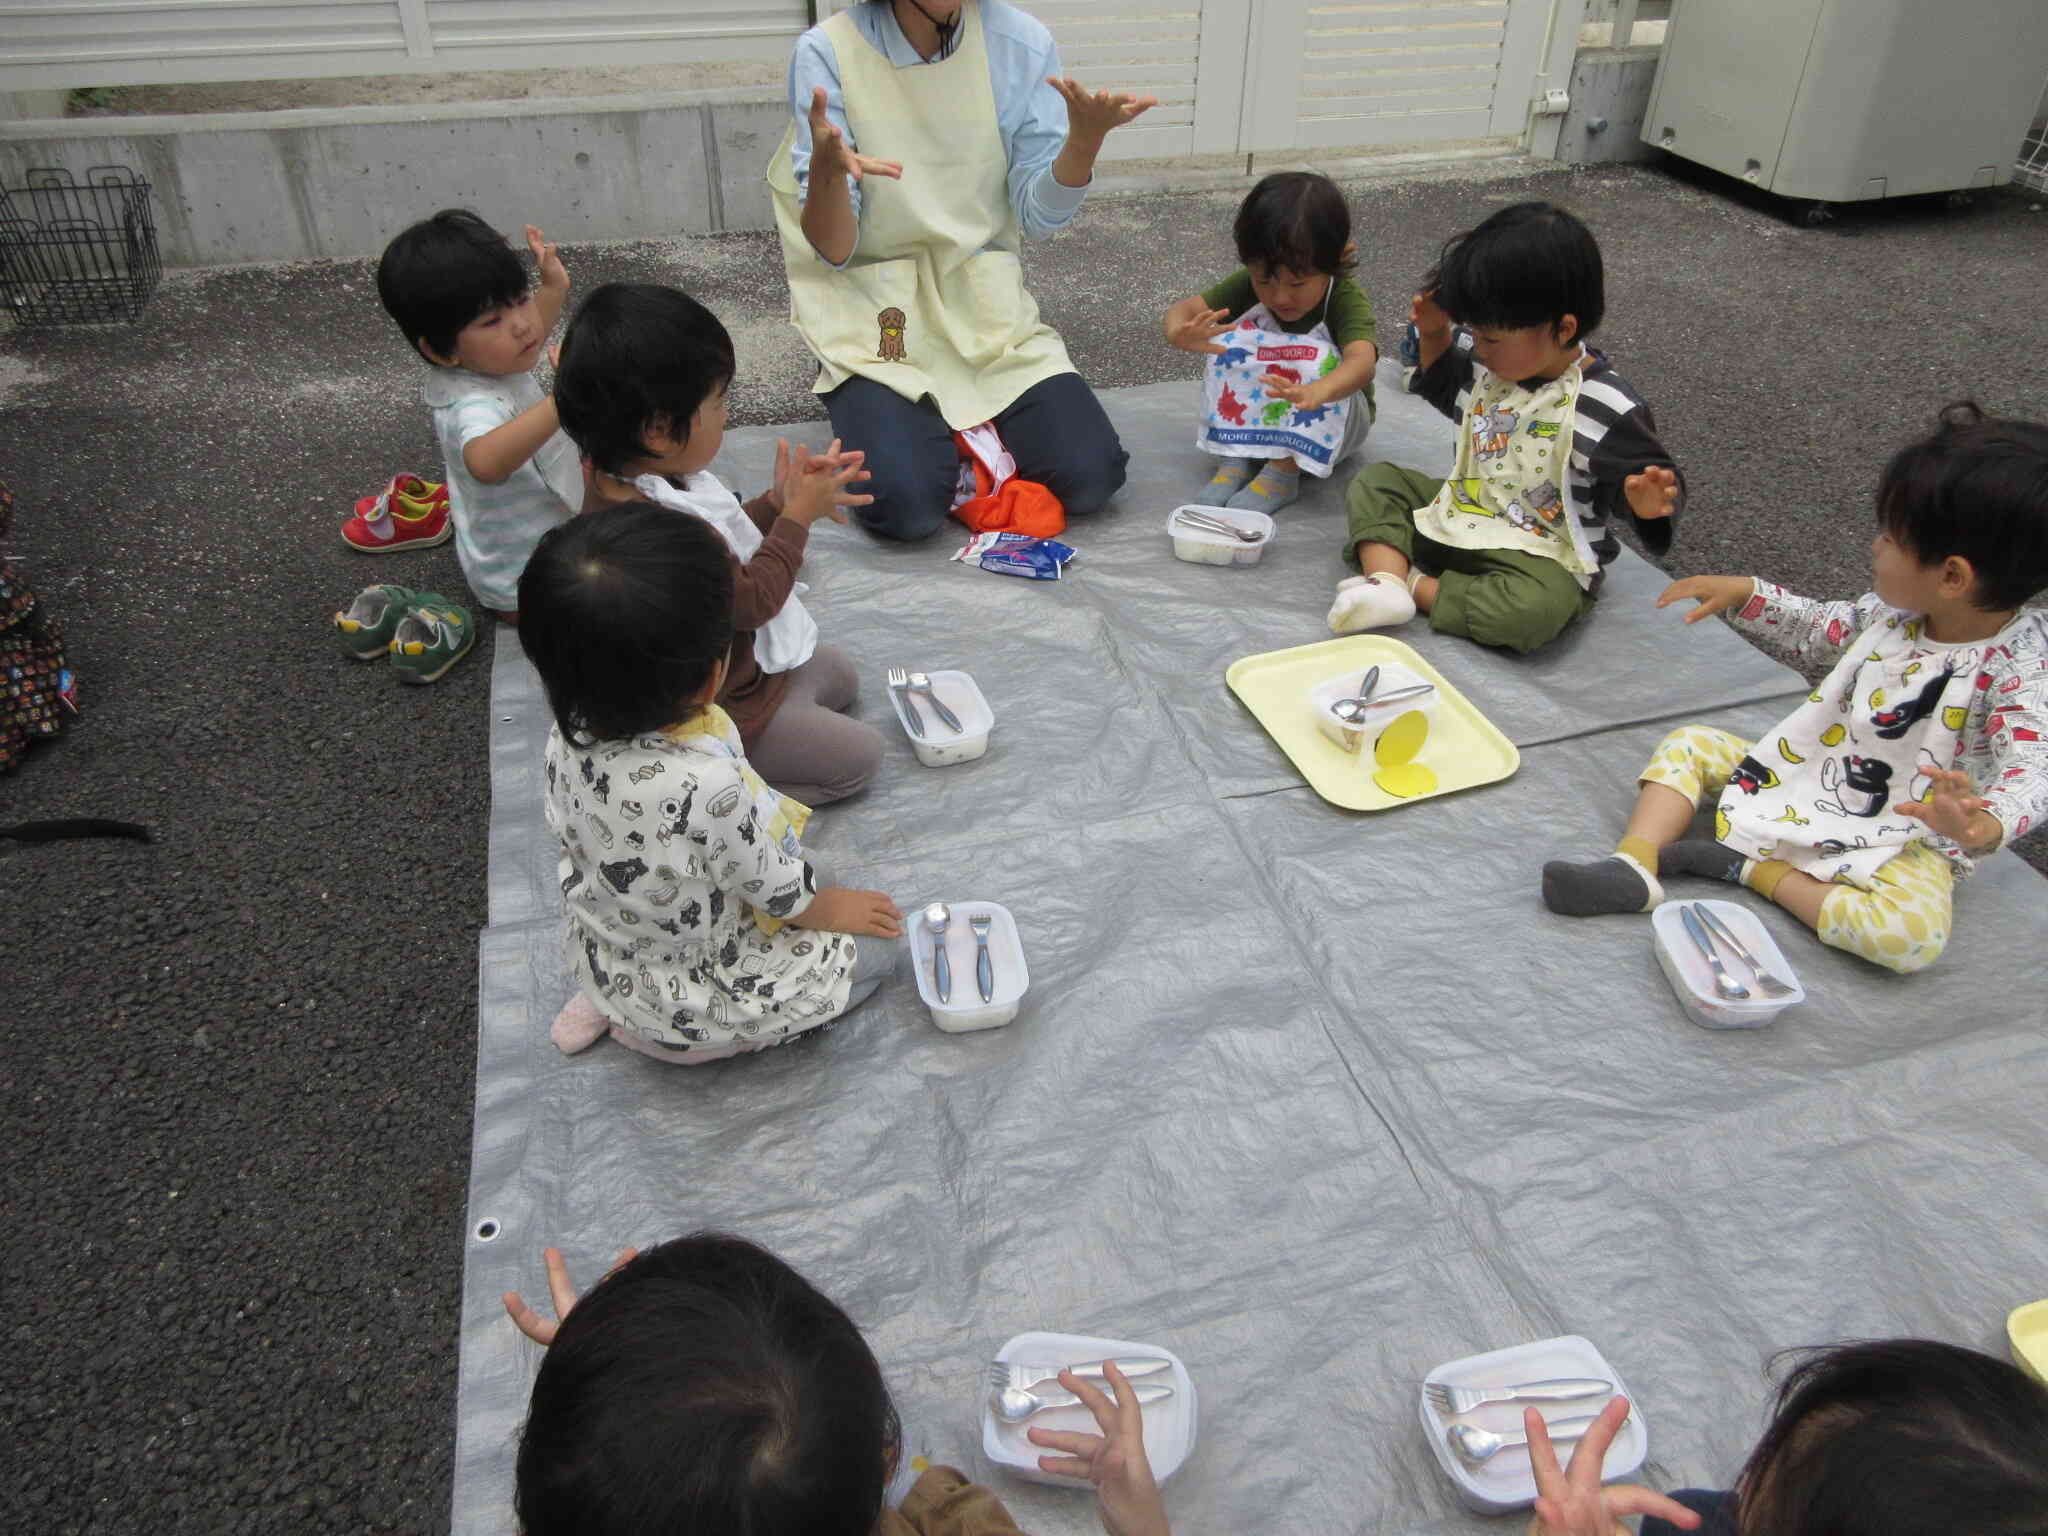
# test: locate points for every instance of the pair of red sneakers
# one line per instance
(409, 513)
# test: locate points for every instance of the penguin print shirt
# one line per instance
(680, 870)
(1818, 790)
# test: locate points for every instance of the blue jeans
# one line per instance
(1056, 430)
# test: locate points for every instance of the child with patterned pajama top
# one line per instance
(1923, 750)
(696, 927)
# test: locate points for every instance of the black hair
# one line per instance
(1297, 220)
(706, 1386)
(639, 357)
(443, 272)
(1529, 264)
(1900, 1437)
(1978, 488)
(625, 612)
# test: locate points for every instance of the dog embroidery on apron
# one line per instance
(891, 345)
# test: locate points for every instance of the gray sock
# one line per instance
(1616, 883)
(1701, 856)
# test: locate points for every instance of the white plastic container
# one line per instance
(1169, 1425)
(1693, 979)
(941, 745)
(1204, 548)
(965, 1010)
(1505, 1482)
(1393, 677)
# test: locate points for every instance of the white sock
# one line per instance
(1370, 602)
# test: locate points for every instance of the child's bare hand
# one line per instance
(836, 909)
(547, 258)
(830, 154)
(817, 485)
(1114, 1461)
(1652, 492)
(1714, 594)
(560, 1291)
(1303, 397)
(1951, 805)
(1427, 319)
(1198, 332)
(1572, 1503)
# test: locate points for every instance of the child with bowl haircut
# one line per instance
(1887, 1437)
(1923, 750)
(642, 390)
(696, 927)
(1551, 444)
(1293, 237)
(706, 1386)
(461, 297)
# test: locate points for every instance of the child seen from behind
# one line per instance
(706, 1386)
(696, 928)
(461, 297)
(1293, 237)
(642, 387)
(1888, 1437)
(1552, 443)
(1923, 750)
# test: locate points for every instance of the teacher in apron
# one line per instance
(929, 137)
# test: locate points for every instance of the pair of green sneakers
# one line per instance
(422, 633)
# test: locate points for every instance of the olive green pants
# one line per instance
(1502, 597)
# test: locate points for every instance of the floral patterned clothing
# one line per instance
(680, 870)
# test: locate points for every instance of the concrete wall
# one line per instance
(289, 186)
(1610, 94)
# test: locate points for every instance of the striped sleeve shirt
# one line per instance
(1613, 437)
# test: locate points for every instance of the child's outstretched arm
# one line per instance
(554, 277)
(1114, 1461)
(1193, 326)
(840, 909)
(1710, 594)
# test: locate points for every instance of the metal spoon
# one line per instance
(1015, 1404)
(1352, 711)
(936, 917)
(1477, 1445)
(1218, 525)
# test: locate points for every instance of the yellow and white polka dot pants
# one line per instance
(1901, 923)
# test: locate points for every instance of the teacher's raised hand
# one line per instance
(1092, 114)
(830, 153)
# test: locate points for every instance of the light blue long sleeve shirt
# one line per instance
(1030, 114)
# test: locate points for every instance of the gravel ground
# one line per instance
(239, 1098)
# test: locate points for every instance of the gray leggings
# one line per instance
(810, 749)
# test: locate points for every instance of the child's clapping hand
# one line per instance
(1427, 318)
(809, 486)
(547, 256)
(1195, 330)
(1951, 810)
(1652, 492)
(1572, 1502)
(1114, 1461)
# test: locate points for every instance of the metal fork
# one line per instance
(899, 682)
(1771, 984)
(1452, 1401)
(1028, 1373)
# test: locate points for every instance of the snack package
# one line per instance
(1017, 554)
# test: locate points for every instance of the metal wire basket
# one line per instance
(77, 255)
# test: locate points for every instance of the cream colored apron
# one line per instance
(933, 302)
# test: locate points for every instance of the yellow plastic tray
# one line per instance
(2027, 1329)
(1464, 747)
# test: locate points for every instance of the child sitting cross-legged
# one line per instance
(1923, 750)
(642, 387)
(696, 927)
(1551, 444)
(1293, 237)
(706, 1386)
(461, 297)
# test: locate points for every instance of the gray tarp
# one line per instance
(1316, 1099)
